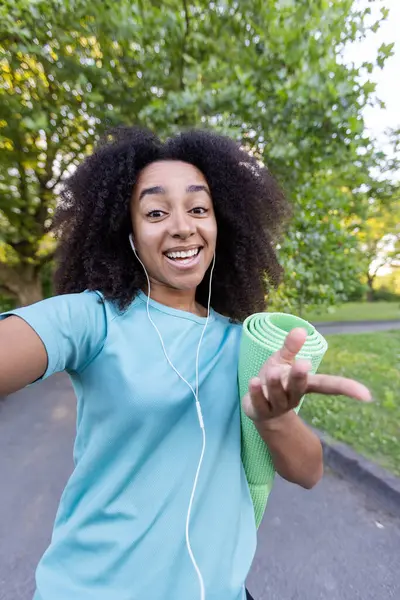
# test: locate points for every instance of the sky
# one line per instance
(377, 120)
(388, 78)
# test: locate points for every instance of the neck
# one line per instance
(179, 299)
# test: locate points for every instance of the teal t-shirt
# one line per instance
(119, 532)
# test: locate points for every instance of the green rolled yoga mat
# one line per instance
(262, 335)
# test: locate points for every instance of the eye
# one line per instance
(155, 214)
(199, 210)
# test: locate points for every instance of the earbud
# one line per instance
(131, 242)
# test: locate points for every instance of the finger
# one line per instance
(294, 342)
(297, 382)
(273, 387)
(338, 386)
(255, 404)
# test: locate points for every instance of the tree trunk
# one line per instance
(370, 291)
(23, 282)
(30, 292)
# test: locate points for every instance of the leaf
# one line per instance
(384, 52)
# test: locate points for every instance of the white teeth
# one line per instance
(187, 254)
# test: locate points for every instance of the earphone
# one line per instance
(197, 403)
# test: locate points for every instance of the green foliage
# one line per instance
(320, 255)
(371, 429)
(379, 236)
(6, 304)
(269, 73)
(359, 292)
(386, 295)
(390, 281)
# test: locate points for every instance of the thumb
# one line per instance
(294, 342)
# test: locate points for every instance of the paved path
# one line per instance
(356, 326)
(328, 544)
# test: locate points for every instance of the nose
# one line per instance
(182, 225)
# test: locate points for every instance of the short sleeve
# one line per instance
(72, 327)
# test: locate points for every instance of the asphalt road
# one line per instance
(332, 543)
(356, 326)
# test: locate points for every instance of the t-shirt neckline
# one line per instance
(175, 312)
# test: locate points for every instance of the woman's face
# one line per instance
(173, 221)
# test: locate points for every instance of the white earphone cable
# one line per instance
(198, 406)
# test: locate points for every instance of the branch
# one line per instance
(187, 19)
(185, 38)
(374, 273)
(383, 263)
(5, 291)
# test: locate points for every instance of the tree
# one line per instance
(379, 238)
(61, 76)
(265, 72)
(389, 283)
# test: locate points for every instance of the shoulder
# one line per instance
(91, 303)
(227, 321)
(86, 299)
(72, 328)
(232, 328)
(79, 310)
(87, 305)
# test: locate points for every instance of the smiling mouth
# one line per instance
(183, 255)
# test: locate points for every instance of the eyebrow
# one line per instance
(160, 190)
(151, 191)
(198, 188)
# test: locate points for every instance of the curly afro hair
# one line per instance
(93, 220)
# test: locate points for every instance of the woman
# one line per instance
(158, 505)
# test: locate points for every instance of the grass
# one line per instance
(356, 311)
(371, 429)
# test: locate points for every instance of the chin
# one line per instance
(184, 281)
(187, 284)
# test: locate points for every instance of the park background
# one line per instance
(312, 88)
